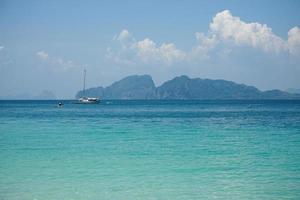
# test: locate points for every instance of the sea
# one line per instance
(150, 149)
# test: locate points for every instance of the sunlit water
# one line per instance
(150, 150)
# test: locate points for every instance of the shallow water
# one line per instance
(150, 150)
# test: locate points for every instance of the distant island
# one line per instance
(43, 95)
(182, 87)
(293, 90)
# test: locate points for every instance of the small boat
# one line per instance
(84, 99)
(88, 100)
(60, 105)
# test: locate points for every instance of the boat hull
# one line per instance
(88, 100)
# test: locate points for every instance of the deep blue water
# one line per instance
(231, 149)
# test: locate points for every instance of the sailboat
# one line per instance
(84, 99)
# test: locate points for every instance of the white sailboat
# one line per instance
(84, 99)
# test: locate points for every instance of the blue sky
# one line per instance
(45, 45)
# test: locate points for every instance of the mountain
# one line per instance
(131, 87)
(293, 90)
(185, 88)
(91, 92)
(22, 96)
(43, 95)
(182, 87)
(278, 94)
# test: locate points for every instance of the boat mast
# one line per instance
(84, 74)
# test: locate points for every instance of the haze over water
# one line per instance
(150, 150)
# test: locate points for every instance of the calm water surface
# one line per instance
(150, 150)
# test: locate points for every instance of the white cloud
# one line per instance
(123, 35)
(204, 46)
(55, 61)
(294, 41)
(230, 28)
(43, 55)
(146, 50)
(225, 30)
(171, 54)
(1, 48)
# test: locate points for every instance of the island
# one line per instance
(141, 87)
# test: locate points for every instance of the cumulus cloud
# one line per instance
(124, 35)
(294, 41)
(145, 51)
(55, 61)
(224, 30)
(148, 51)
(230, 28)
(204, 45)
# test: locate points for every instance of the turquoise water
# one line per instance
(150, 150)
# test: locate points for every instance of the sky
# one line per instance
(46, 45)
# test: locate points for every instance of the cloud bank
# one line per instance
(224, 30)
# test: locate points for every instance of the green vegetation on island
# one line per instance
(182, 87)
